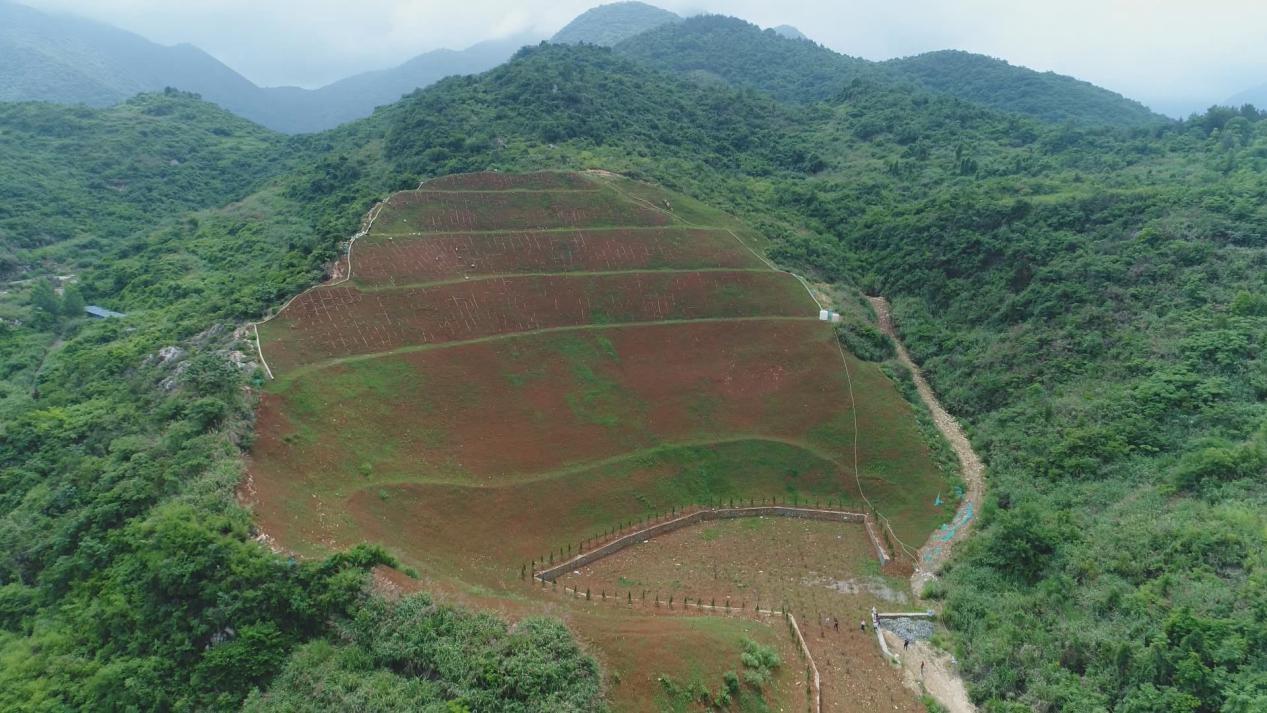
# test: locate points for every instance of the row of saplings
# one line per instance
(686, 601)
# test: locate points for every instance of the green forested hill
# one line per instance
(744, 55)
(72, 180)
(608, 24)
(1091, 301)
(1043, 95)
(737, 52)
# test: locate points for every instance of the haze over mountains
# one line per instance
(69, 60)
(1254, 95)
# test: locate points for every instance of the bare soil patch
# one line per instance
(495, 412)
(777, 562)
(455, 256)
(447, 212)
(491, 181)
(344, 321)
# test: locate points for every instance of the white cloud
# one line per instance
(1172, 54)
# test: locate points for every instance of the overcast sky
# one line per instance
(1174, 55)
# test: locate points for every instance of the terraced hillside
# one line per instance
(515, 362)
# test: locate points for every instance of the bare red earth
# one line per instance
(490, 181)
(818, 571)
(343, 321)
(506, 408)
(448, 212)
(468, 459)
(436, 257)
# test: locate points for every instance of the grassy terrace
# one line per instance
(486, 392)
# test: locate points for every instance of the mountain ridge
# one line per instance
(65, 59)
(610, 24)
(71, 60)
(998, 83)
(1089, 302)
(795, 69)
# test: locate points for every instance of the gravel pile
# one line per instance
(913, 629)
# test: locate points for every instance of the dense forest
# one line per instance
(703, 47)
(1091, 300)
(1043, 95)
(726, 49)
(82, 178)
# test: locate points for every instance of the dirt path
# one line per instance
(926, 669)
(337, 277)
(936, 551)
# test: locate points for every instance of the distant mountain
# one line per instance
(69, 60)
(1256, 96)
(742, 54)
(1044, 95)
(718, 48)
(295, 110)
(789, 32)
(608, 25)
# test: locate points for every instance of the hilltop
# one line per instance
(610, 24)
(743, 55)
(1044, 95)
(792, 68)
(68, 60)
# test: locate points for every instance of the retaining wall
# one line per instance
(930, 614)
(550, 573)
(879, 635)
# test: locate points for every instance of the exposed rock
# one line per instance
(172, 382)
(909, 629)
(172, 353)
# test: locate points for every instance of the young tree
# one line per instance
(73, 302)
(44, 300)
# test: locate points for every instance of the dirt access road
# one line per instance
(926, 669)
